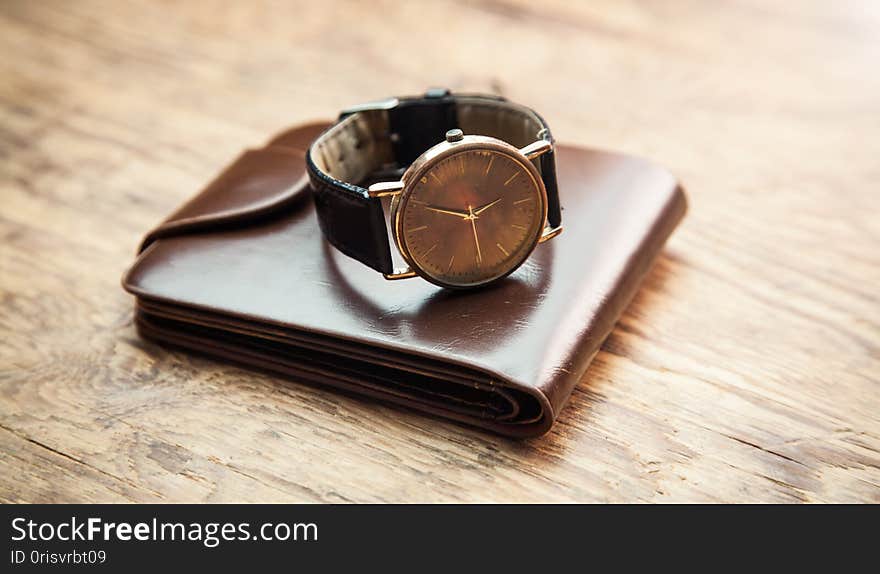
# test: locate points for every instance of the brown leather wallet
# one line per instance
(241, 272)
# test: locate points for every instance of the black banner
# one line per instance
(123, 537)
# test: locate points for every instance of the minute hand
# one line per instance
(461, 214)
(485, 207)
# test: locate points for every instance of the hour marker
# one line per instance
(430, 249)
(503, 250)
(523, 200)
(423, 227)
(488, 167)
(451, 260)
(517, 226)
(509, 179)
(434, 175)
(461, 164)
(418, 202)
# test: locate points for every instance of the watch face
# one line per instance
(472, 216)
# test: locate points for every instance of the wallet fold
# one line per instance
(241, 272)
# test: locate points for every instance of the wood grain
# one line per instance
(746, 369)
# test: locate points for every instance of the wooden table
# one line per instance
(746, 369)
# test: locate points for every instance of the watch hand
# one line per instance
(473, 219)
(485, 207)
(460, 214)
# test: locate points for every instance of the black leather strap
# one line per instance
(392, 134)
(548, 174)
(351, 220)
(420, 123)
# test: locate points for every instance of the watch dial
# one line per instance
(472, 217)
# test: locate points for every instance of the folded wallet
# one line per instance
(241, 272)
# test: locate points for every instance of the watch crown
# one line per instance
(455, 135)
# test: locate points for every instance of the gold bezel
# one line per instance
(436, 154)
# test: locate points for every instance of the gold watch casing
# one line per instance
(469, 211)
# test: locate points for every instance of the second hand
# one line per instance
(476, 239)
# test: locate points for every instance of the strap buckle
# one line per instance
(386, 104)
(391, 103)
(436, 93)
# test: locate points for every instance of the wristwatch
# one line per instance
(472, 190)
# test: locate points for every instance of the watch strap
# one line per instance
(547, 167)
(344, 155)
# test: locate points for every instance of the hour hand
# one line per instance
(461, 214)
(485, 207)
